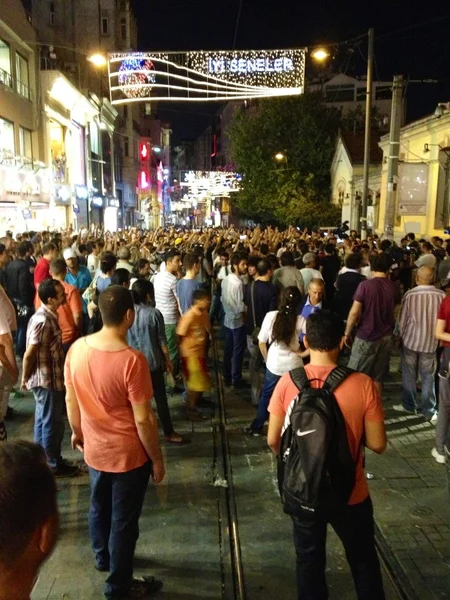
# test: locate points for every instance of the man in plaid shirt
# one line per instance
(43, 373)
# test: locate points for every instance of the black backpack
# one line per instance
(315, 465)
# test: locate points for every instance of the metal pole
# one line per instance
(368, 133)
(394, 151)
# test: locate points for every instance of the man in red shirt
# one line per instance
(42, 270)
(360, 403)
(108, 395)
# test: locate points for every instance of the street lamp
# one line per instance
(279, 156)
(98, 60)
(320, 54)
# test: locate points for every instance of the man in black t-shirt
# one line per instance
(330, 265)
(260, 297)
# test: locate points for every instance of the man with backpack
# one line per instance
(320, 419)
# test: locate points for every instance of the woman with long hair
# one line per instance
(148, 335)
(281, 330)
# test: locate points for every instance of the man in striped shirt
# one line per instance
(416, 326)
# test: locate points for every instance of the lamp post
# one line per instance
(281, 157)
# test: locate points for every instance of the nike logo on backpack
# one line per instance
(300, 433)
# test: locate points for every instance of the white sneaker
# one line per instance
(434, 419)
(439, 458)
(402, 409)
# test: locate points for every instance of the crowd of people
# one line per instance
(97, 324)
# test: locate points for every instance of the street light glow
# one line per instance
(279, 156)
(98, 60)
(320, 54)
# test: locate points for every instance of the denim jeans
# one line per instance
(443, 422)
(49, 423)
(355, 528)
(425, 364)
(162, 407)
(270, 381)
(115, 508)
(233, 357)
(255, 367)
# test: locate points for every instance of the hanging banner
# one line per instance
(205, 75)
(412, 188)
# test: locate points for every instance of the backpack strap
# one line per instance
(337, 376)
(299, 378)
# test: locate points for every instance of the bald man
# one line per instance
(415, 327)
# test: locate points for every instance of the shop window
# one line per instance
(123, 29)
(22, 76)
(5, 64)
(26, 146)
(7, 145)
(59, 166)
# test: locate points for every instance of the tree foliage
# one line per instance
(296, 190)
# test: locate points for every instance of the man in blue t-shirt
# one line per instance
(187, 286)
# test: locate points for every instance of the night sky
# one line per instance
(414, 42)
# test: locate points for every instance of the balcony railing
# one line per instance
(12, 82)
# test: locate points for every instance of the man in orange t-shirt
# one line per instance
(108, 395)
(360, 403)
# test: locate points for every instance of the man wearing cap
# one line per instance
(77, 275)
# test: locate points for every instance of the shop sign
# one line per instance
(18, 185)
(97, 201)
(81, 192)
(62, 195)
(113, 203)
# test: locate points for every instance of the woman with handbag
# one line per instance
(279, 342)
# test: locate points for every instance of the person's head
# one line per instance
(71, 258)
(264, 249)
(121, 277)
(173, 260)
(191, 264)
(385, 245)
(201, 301)
(238, 264)
(82, 249)
(264, 268)
(4, 255)
(58, 269)
(29, 520)
(425, 276)
(411, 236)
(286, 320)
(287, 259)
(98, 247)
(381, 263)
(309, 260)
(50, 251)
(108, 262)
(143, 292)
(324, 332)
(117, 308)
(426, 247)
(252, 263)
(143, 267)
(330, 249)
(22, 250)
(124, 254)
(51, 293)
(316, 291)
(353, 261)
(224, 258)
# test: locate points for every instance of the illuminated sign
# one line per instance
(213, 184)
(206, 75)
(81, 192)
(113, 202)
(144, 151)
(143, 181)
(97, 201)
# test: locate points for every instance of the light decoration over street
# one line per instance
(201, 185)
(205, 75)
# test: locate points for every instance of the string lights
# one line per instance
(205, 75)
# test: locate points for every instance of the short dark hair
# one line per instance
(252, 260)
(82, 248)
(353, 260)
(141, 263)
(113, 303)
(200, 294)
(381, 263)
(190, 260)
(411, 236)
(48, 289)
(287, 259)
(264, 249)
(324, 330)
(47, 248)
(141, 289)
(235, 259)
(427, 245)
(171, 254)
(330, 249)
(108, 262)
(263, 267)
(27, 496)
(385, 245)
(120, 277)
(224, 253)
(58, 266)
(22, 249)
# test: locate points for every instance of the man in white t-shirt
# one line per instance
(167, 303)
(8, 366)
(427, 258)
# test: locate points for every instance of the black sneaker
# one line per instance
(254, 432)
(142, 587)
(65, 470)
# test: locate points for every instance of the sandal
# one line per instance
(176, 438)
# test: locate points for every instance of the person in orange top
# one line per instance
(194, 329)
(360, 403)
(70, 314)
